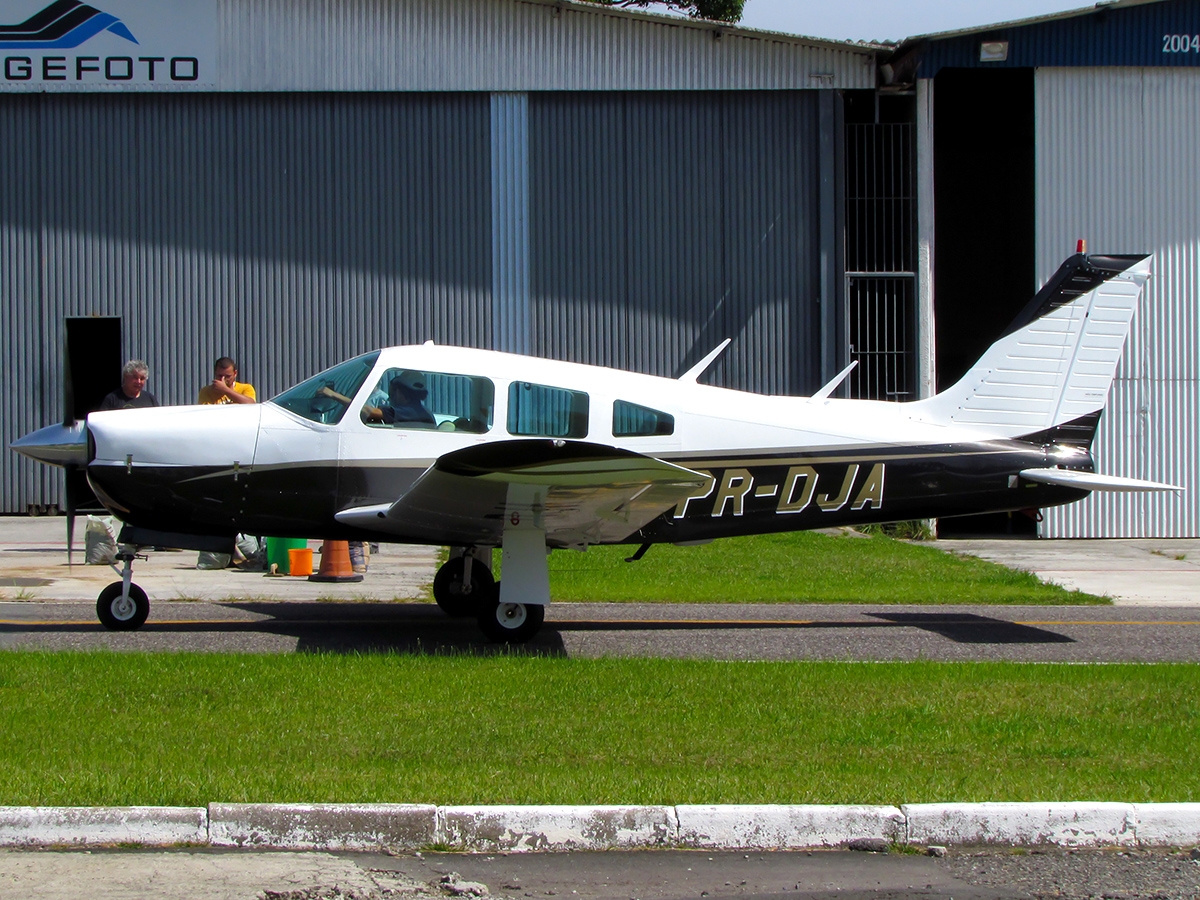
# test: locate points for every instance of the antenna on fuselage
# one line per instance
(834, 382)
(693, 374)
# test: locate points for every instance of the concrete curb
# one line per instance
(1168, 824)
(321, 826)
(1022, 824)
(41, 826)
(786, 827)
(366, 826)
(492, 828)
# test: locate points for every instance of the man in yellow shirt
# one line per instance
(225, 387)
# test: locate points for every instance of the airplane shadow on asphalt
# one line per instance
(410, 628)
(968, 628)
(423, 629)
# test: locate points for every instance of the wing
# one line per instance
(579, 493)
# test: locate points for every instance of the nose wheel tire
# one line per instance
(120, 613)
(457, 600)
(510, 623)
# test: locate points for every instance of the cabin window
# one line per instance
(412, 398)
(537, 410)
(325, 398)
(631, 420)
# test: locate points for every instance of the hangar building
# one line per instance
(1030, 136)
(292, 183)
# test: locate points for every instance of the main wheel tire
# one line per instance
(449, 592)
(118, 614)
(510, 623)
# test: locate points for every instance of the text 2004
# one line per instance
(1181, 43)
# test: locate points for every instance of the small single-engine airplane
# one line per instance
(478, 449)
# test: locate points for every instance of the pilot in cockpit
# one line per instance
(406, 394)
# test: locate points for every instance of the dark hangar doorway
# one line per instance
(984, 228)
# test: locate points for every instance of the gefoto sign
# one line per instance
(118, 44)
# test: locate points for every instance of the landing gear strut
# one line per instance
(514, 612)
(463, 585)
(123, 606)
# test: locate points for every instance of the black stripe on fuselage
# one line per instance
(752, 493)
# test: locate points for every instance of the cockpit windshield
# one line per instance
(325, 398)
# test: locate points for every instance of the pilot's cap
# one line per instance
(412, 381)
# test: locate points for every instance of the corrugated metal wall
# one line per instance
(663, 223)
(288, 231)
(1116, 164)
(509, 45)
(23, 405)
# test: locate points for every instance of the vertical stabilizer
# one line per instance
(1057, 360)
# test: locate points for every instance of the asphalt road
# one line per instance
(654, 875)
(1155, 585)
(767, 631)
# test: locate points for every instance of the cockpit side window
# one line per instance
(325, 398)
(631, 420)
(412, 398)
(538, 410)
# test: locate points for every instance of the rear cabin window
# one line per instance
(631, 420)
(412, 398)
(538, 410)
(325, 398)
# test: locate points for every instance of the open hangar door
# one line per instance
(984, 229)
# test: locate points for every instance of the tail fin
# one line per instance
(1053, 367)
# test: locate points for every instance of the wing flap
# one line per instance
(578, 492)
(1091, 481)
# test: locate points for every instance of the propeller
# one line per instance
(70, 470)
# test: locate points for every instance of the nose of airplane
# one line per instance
(175, 436)
(56, 445)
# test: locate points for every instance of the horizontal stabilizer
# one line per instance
(1091, 481)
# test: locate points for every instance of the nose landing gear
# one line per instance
(123, 605)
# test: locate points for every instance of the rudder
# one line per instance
(1052, 368)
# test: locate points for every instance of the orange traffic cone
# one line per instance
(335, 563)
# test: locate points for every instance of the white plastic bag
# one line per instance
(208, 560)
(100, 541)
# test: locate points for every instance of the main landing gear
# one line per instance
(464, 588)
(463, 584)
(123, 606)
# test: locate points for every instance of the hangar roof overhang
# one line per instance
(518, 45)
(1113, 33)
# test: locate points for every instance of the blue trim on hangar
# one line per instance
(1124, 33)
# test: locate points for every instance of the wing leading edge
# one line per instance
(579, 493)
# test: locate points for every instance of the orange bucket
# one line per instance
(299, 561)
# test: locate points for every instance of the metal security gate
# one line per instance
(880, 252)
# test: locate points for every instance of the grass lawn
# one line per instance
(186, 729)
(804, 567)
